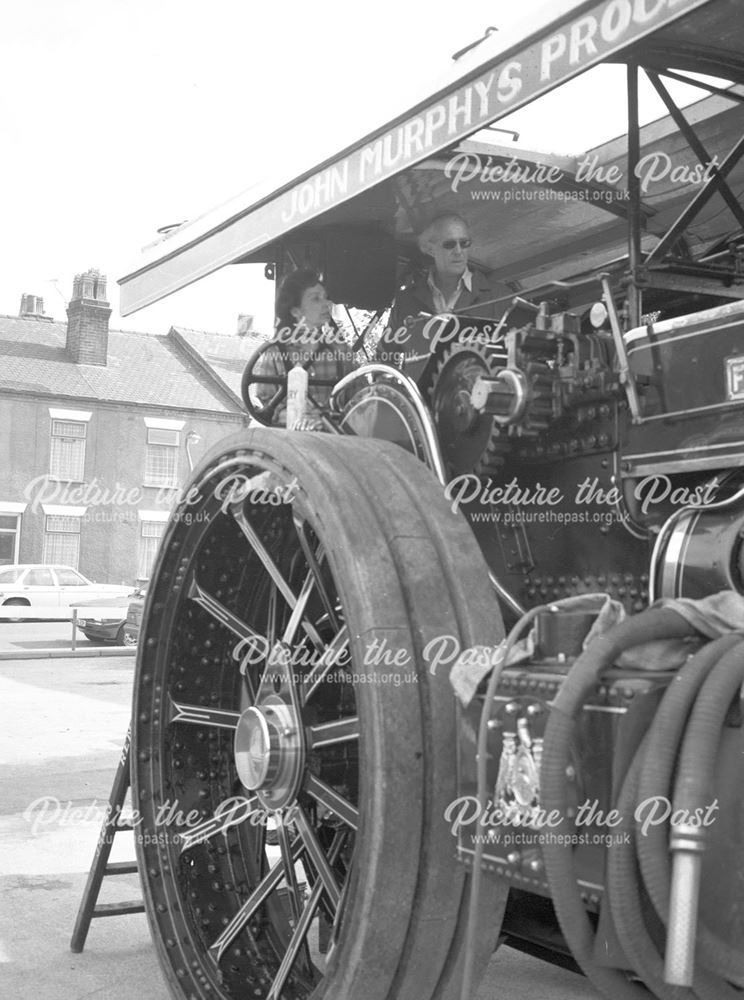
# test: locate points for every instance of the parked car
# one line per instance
(49, 587)
(106, 620)
(134, 617)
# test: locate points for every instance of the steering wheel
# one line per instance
(266, 414)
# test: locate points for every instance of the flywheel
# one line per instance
(470, 441)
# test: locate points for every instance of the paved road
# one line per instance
(62, 726)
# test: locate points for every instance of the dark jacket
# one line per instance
(416, 297)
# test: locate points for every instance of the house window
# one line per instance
(10, 530)
(62, 539)
(150, 534)
(161, 458)
(67, 459)
(9, 534)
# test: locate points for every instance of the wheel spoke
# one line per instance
(314, 560)
(297, 617)
(267, 884)
(262, 552)
(297, 940)
(231, 812)
(217, 610)
(329, 659)
(236, 625)
(330, 798)
(328, 733)
(201, 716)
(271, 624)
(268, 409)
(339, 840)
(306, 917)
(296, 603)
(318, 858)
(290, 875)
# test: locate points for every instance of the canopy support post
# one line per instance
(635, 295)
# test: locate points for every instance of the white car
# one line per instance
(50, 587)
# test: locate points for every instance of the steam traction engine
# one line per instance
(401, 694)
(301, 711)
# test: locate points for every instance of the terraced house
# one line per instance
(99, 429)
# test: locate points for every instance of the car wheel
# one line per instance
(18, 603)
(123, 638)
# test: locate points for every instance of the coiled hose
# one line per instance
(652, 768)
(719, 664)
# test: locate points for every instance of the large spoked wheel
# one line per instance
(293, 754)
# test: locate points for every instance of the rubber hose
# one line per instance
(694, 781)
(652, 845)
(572, 917)
(700, 748)
(663, 742)
(629, 916)
(623, 892)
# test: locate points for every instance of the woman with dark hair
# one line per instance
(304, 334)
(302, 299)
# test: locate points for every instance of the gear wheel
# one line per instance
(470, 441)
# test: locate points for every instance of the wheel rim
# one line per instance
(246, 716)
(16, 604)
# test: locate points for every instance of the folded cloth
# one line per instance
(659, 654)
(713, 616)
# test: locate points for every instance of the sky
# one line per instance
(118, 117)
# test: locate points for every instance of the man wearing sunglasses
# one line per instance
(449, 285)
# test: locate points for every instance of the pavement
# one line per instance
(63, 722)
(31, 636)
(31, 640)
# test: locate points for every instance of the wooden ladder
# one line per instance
(101, 867)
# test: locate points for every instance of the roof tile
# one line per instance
(148, 369)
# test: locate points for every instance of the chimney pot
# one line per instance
(245, 324)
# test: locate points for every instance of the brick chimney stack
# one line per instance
(32, 306)
(88, 319)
